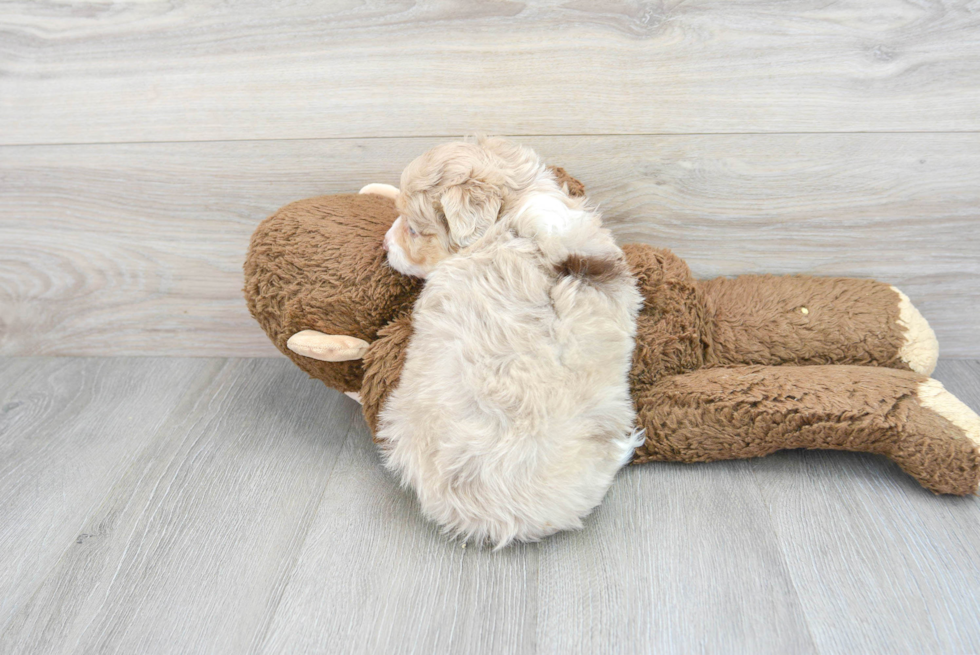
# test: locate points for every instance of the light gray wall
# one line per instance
(139, 147)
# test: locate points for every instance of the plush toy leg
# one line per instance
(749, 411)
(813, 320)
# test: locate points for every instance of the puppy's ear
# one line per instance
(470, 209)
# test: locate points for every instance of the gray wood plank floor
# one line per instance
(235, 506)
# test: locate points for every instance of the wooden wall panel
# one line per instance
(176, 71)
(137, 249)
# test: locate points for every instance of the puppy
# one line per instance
(513, 411)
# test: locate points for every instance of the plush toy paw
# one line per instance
(327, 347)
(385, 190)
(921, 348)
(934, 396)
(950, 473)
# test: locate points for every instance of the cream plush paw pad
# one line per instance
(934, 396)
(921, 348)
(385, 190)
(327, 347)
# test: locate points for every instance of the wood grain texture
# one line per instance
(678, 559)
(375, 577)
(137, 249)
(191, 548)
(256, 518)
(177, 71)
(68, 430)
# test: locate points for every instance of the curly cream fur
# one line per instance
(452, 195)
(513, 412)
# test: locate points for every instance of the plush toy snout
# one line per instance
(339, 347)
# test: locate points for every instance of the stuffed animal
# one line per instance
(722, 369)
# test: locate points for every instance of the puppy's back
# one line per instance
(513, 411)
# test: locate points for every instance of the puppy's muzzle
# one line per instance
(390, 234)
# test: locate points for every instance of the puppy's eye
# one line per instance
(412, 231)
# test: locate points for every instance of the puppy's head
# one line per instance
(451, 196)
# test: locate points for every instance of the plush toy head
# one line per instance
(318, 264)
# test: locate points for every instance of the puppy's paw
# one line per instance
(385, 190)
(921, 348)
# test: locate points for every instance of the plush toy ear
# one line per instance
(470, 208)
(327, 347)
(379, 189)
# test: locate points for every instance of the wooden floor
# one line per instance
(164, 505)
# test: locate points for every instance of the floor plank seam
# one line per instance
(260, 642)
(194, 396)
(786, 563)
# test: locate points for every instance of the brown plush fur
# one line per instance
(318, 264)
(718, 370)
(803, 320)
